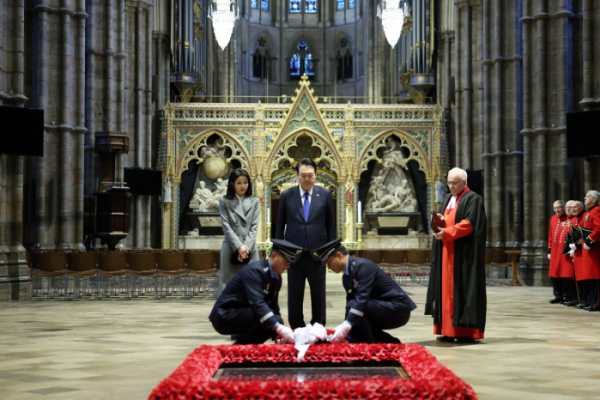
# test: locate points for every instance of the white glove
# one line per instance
(572, 253)
(286, 333)
(572, 247)
(548, 256)
(340, 332)
(585, 246)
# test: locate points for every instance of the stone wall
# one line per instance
(520, 66)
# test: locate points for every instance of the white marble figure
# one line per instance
(167, 196)
(391, 189)
(216, 149)
(376, 191)
(202, 199)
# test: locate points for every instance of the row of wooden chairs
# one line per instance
(131, 273)
(405, 266)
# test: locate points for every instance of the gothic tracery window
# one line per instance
(264, 5)
(351, 3)
(311, 6)
(253, 3)
(301, 62)
(261, 61)
(344, 60)
(341, 4)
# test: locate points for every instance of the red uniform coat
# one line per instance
(591, 258)
(578, 258)
(561, 266)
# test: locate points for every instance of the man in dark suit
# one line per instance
(374, 302)
(307, 210)
(248, 307)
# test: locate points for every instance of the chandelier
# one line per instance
(223, 18)
(392, 19)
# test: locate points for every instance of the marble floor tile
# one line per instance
(114, 349)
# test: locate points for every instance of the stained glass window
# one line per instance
(295, 6)
(253, 3)
(302, 45)
(295, 65)
(351, 3)
(264, 4)
(311, 6)
(341, 4)
(309, 66)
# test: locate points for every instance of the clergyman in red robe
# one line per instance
(456, 296)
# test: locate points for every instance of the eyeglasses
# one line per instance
(453, 183)
(308, 177)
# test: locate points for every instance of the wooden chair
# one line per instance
(416, 261)
(83, 268)
(51, 266)
(141, 265)
(202, 267)
(394, 264)
(374, 255)
(171, 266)
(112, 267)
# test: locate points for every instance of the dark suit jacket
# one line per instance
(320, 227)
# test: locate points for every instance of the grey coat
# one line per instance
(240, 225)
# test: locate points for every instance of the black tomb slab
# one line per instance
(282, 372)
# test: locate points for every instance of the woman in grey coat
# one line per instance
(240, 213)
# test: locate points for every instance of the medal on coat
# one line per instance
(266, 291)
(587, 218)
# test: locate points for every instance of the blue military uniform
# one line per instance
(249, 304)
(374, 302)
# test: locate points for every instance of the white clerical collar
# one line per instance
(451, 203)
(302, 191)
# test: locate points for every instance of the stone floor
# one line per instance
(116, 349)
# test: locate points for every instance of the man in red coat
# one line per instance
(591, 252)
(576, 253)
(561, 266)
(572, 299)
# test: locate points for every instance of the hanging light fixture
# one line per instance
(392, 18)
(223, 15)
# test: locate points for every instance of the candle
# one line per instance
(268, 215)
(359, 212)
(347, 216)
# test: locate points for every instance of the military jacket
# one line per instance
(252, 287)
(365, 281)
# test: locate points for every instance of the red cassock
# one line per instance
(578, 258)
(591, 258)
(561, 266)
(452, 231)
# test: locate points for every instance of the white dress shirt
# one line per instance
(302, 191)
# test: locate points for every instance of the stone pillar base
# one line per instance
(15, 283)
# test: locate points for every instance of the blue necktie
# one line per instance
(306, 208)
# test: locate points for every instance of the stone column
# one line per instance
(591, 82)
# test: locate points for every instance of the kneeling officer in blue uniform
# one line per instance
(248, 306)
(374, 302)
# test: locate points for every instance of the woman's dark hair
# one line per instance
(306, 161)
(236, 173)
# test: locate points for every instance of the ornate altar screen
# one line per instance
(382, 158)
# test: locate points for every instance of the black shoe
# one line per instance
(236, 337)
(594, 308)
(462, 340)
(556, 300)
(571, 303)
(580, 306)
(445, 339)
